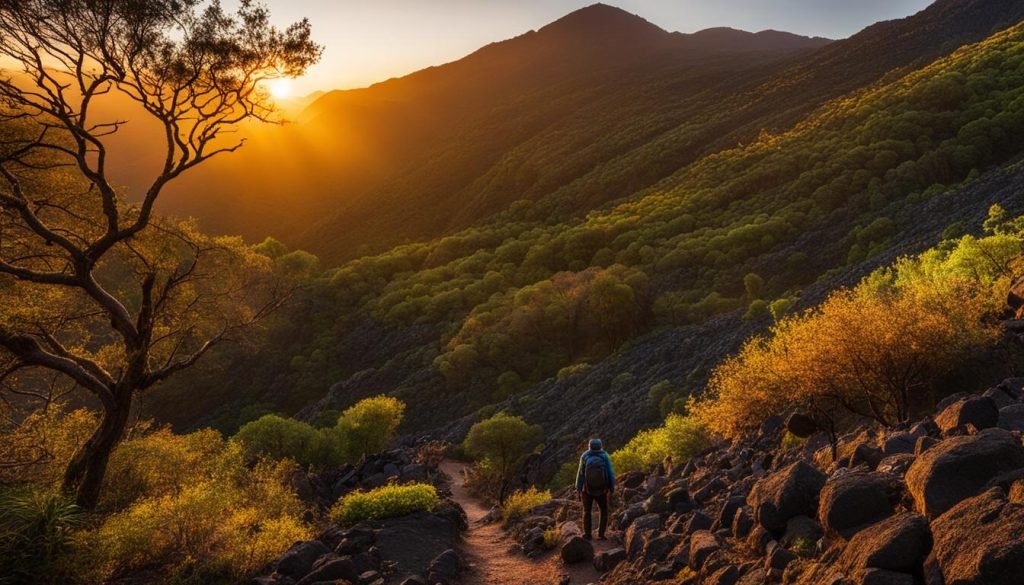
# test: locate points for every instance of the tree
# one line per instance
(368, 426)
(90, 262)
(503, 441)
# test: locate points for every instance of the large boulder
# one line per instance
(960, 467)
(785, 494)
(899, 543)
(856, 499)
(979, 411)
(980, 541)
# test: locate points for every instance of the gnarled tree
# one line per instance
(95, 286)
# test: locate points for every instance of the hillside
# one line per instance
(505, 313)
(357, 170)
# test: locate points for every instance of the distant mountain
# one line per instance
(421, 155)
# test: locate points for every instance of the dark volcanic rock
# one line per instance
(899, 544)
(856, 499)
(980, 541)
(960, 467)
(978, 411)
(413, 541)
(298, 561)
(785, 494)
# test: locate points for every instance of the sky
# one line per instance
(369, 41)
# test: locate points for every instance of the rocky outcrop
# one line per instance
(417, 548)
(937, 502)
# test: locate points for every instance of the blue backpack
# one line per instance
(595, 475)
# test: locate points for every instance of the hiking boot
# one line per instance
(602, 537)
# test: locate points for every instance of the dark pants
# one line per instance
(588, 508)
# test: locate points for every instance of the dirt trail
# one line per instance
(494, 559)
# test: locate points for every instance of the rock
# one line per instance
(298, 561)
(785, 494)
(853, 500)
(924, 443)
(802, 533)
(728, 511)
(1011, 417)
(896, 465)
(698, 521)
(332, 570)
(960, 467)
(576, 550)
(778, 557)
(1001, 397)
(607, 560)
(679, 500)
(899, 443)
(727, 575)
(980, 541)
(979, 411)
(899, 543)
(801, 425)
(415, 580)
(414, 541)
(742, 523)
(702, 544)
(880, 577)
(635, 534)
(657, 547)
(865, 454)
(444, 568)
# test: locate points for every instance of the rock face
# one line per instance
(980, 541)
(786, 494)
(960, 467)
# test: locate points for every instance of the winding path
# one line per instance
(493, 558)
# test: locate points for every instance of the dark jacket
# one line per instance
(582, 468)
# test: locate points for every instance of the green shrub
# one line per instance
(681, 437)
(36, 530)
(522, 501)
(370, 425)
(385, 502)
(501, 443)
(574, 370)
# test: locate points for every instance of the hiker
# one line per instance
(595, 482)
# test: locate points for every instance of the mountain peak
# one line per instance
(603, 20)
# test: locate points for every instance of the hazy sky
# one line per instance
(368, 41)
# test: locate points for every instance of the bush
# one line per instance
(384, 502)
(681, 437)
(370, 425)
(36, 531)
(367, 427)
(278, 437)
(873, 352)
(502, 442)
(191, 505)
(520, 502)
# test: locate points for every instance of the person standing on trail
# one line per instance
(595, 482)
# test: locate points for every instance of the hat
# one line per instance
(595, 445)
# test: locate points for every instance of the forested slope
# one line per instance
(485, 315)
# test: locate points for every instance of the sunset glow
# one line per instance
(281, 88)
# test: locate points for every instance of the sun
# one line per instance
(281, 88)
